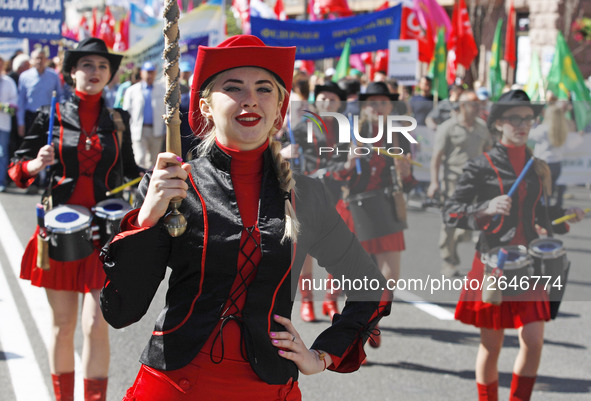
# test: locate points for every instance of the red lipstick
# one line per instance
(248, 119)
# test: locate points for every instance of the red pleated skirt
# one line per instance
(514, 312)
(81, 275)
(374, 246)
(204, 380)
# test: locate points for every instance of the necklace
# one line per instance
(88, 142)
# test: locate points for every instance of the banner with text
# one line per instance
(32, 19)
(201, 26)
(323, 39)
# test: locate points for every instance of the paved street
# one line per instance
(425, 355)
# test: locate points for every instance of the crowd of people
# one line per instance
(264, 203)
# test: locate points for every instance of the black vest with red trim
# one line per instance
(486, 177)
(115, 157)
(203, 267)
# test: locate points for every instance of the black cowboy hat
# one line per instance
(87, 47)
(377, 89)
(509, 100)
(332, 88)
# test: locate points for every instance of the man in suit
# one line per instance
(145, 103)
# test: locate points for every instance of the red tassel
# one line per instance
(488, 392)
(521, 387)
(63, 386)
(95, 389)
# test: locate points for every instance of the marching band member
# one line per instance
(225, 332)
(85, 159)
(481, 194)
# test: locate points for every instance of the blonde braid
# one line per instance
(287, 184)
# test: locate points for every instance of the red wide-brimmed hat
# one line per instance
(234, 52)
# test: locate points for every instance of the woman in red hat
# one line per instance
(225, 333)
(89, 155)
(481, 195)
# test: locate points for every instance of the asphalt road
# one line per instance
(425, 354)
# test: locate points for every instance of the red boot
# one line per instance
(63, 386)
(329, 308)
(488, 392)
(307, 309)
(95, 389)
(521, 387)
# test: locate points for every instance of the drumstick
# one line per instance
(501, 258)
(518, 181)
(51, 117)
(568, 217)
(357, 162)
(122, 187)
(383, 152)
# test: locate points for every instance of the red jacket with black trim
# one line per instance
(116, 161)
(203, 267)
(479, 183)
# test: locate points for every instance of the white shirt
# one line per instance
(8, 95)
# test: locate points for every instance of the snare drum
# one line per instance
(69, 232)
(549, 256)
(550, 259)
(518, 264)
(108, 214)
(374, 214)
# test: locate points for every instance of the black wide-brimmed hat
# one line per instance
(331, 87)
(509, 100)
(377, 89)
(88, 47)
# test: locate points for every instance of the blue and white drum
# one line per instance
(549, 256)
(69, 232)
(518, 264)
(108, 214)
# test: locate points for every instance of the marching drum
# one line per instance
(519, 264)
(69, 232)
(374, 214)
(550, 259)
(108, 214)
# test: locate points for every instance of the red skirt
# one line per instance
(374, 246)
(80, 275)
(514, 312)
(204, 380)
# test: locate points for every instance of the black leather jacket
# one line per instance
(116, 160)
(486, 177)
(203, 263)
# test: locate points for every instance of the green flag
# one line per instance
(535, 83)
(565, 77)
(343, 64)
(495, 78)
(438, 67)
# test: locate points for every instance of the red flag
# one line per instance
(411, 29)
(461, 39)
(94, 29)
(510, 56)
(279, 10)
(381, 62)
(107, 28)
(338, 7)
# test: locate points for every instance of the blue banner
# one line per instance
(323, 39)
(31, 19)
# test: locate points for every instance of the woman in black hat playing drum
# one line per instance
(508, 226)
(89, 154)
(225, 333)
